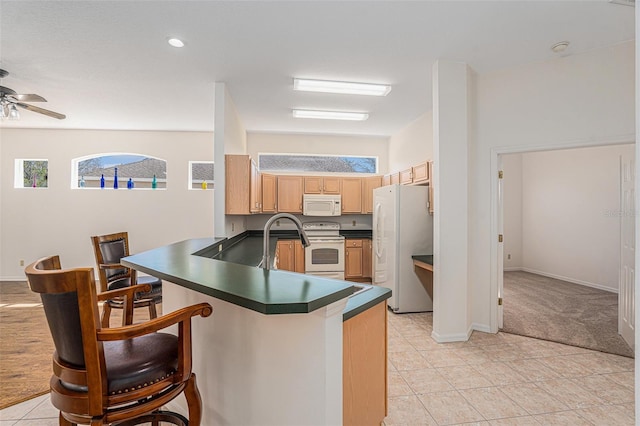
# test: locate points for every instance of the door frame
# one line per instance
(496, 208)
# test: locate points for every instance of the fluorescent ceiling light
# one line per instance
(330, 115)
(343, 87)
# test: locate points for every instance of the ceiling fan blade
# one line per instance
(28, 97)
(7, 91)
(41, 111)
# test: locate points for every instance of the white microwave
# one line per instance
(321, 205)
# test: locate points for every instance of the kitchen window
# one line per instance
(201, 175)
(100, 170)
(317, 163)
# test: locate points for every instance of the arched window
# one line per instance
(134, 171)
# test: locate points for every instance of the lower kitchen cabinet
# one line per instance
(290, 255)
(357, 259)
(364, 367)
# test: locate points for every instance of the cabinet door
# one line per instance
(255, 205)
(368, 185)
(353, 259)
(331, 185)
(268, 193)
(286, 255)
(290, 194)
(238, 183)
(406, 176)
(351, 195)
(386, 180)
(299, 256)
(431, 187)
(367, 253)
(395, 178)
(312, 185)
(421, 173)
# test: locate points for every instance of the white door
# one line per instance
(626, 294)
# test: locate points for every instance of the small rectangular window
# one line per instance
(201, 175)
(317, 163)
(32, 173)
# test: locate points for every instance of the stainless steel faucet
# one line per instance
(266, 261)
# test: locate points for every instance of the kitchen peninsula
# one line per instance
(273, 352)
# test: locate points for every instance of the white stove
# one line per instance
(325, 254)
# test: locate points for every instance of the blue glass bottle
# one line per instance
(102, 182)
(154, 182)
(130, 184)
(115, 178)
(82, 183)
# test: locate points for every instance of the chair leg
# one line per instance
(194, 401)
(64, 422)
(152, 310)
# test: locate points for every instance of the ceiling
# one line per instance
(107, 65)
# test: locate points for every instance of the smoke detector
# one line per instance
(560, 47)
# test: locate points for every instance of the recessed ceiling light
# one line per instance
(560, 47)
(175, 42)
(330, 115)
(343, 87)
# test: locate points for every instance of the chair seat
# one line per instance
(138, 362)
(155, 293)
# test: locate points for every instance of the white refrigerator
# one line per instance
(402, 227)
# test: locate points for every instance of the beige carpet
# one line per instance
(25, 343)
(573, 314)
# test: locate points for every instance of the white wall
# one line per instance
(60, 220)
(561, 214)
(412, 144)
(293, 143)
(512, 216)
(582, 99)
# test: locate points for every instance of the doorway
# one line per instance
(560, 214)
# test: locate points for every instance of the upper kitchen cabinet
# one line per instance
(255, 193)
(420, 173)
(395, 178)
(386, 179)
(289, 194)
(269, 191)
(406, 176)
(352, 195)
(321, 185)
(238, 184)
(368, 185)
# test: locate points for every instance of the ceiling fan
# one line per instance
(10, 101)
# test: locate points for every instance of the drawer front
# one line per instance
(353, 243)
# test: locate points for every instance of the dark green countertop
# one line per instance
(186, 263)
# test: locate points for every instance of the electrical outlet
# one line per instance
(219, 248)
(353, 223)
(21, 262)
(233, 226)
(277, 223)
(508, 257)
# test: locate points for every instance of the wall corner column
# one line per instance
(451, 317)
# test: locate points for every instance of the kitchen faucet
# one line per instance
(265, 262)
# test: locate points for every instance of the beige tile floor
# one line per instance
(492, 379)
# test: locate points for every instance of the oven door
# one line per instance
(324, 255)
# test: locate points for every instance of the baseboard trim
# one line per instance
(512, 269)
(481, 327)
(19, 278)
(567, 279)
(448, 338)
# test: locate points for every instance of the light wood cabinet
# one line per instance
(238, 184)
(364, 367)
(431, 187)
(352, 195)
(289, 194)
(255, 194)
(368, 185)
(269, 192)
(395, 178)
(290, 255)
(353, 259)
(420, 173)
(386, 179)
(406, 176)
(367, 255)
(321, 185)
